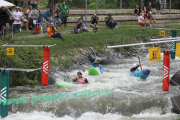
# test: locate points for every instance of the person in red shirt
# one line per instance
(80, 79)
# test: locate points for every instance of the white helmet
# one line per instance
(134, 65)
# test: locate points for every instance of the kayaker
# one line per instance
(96, 64)
(135, 67)
(80, 79)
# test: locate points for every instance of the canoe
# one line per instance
(142, 74)
(94, 71)
(64, 84)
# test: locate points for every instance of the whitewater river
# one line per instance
(131, 99)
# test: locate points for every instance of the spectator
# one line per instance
(35, 13)
(109, 22)
(64, 13)
(158, 6)
(10, 19)
(52, 32)
(17, 16)
(78, 28)
(94, 22)
(25, 18)
(20, 10)
(135, 11)
(28, 12)
(42, 23)
(149, 13)
(57, 11)
(47, 15)
(143, 8)
(34, 4)
(83, 25)
(142, 21)
(163, 6)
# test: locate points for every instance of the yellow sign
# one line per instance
(155, 54)
(10, 51)
(162, 33)
(178, 49)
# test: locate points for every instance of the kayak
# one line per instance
(64, 84)
(142, 74)
(94, 71)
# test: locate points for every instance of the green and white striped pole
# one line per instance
(173, 44)
(4, 92)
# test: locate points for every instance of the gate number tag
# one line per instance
(10, 51)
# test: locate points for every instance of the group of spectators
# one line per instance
(146, 17)
(160, 8)
(80, 26)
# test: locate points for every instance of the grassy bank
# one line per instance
(31, 58)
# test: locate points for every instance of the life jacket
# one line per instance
(81, 80)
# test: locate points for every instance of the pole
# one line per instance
(96, 7)
(104, 3)
(86, 13)
(173, 45)
(4, 92)
(166, 70)
(170, 11)
(45, 68)
(53, 10)
(141, 5)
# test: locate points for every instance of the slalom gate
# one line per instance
(4, 74)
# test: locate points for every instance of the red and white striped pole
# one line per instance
(45, 67)
(166, 70)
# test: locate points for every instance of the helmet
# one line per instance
(134, 65)
(96, 63)
(79, 73)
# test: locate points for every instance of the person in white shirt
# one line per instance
(17, 16)
(31, 26)
(142, 21)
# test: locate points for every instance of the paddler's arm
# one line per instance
(101, 68)
(74, 80)
(134, 68)
(86, 81)
(93, 64)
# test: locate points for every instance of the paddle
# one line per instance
(66, 77)
(93, 52)
(140, 61)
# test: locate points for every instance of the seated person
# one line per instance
(80, 79)
(94, 22)
(25, 16)
(135, 67)
(78, 28)
(52, 32)
(96, 64)
(142, 21)
(149, 12)
(135, 11)
(83, 25)
(109, 22)
(42, 23)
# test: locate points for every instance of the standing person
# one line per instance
(94, 22)
(143, 9)
(83, 24)
(47, 16)
(57, 11)
(78, 28)
(163, 6)
(158, 7)
(64, 13)
(80, 79)
(34, 4)
(52, 32)
(142, 21)
(149, 12)
(109, 22)
(30, 18)
(17, 16)
(96, 64)
(25, 18)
